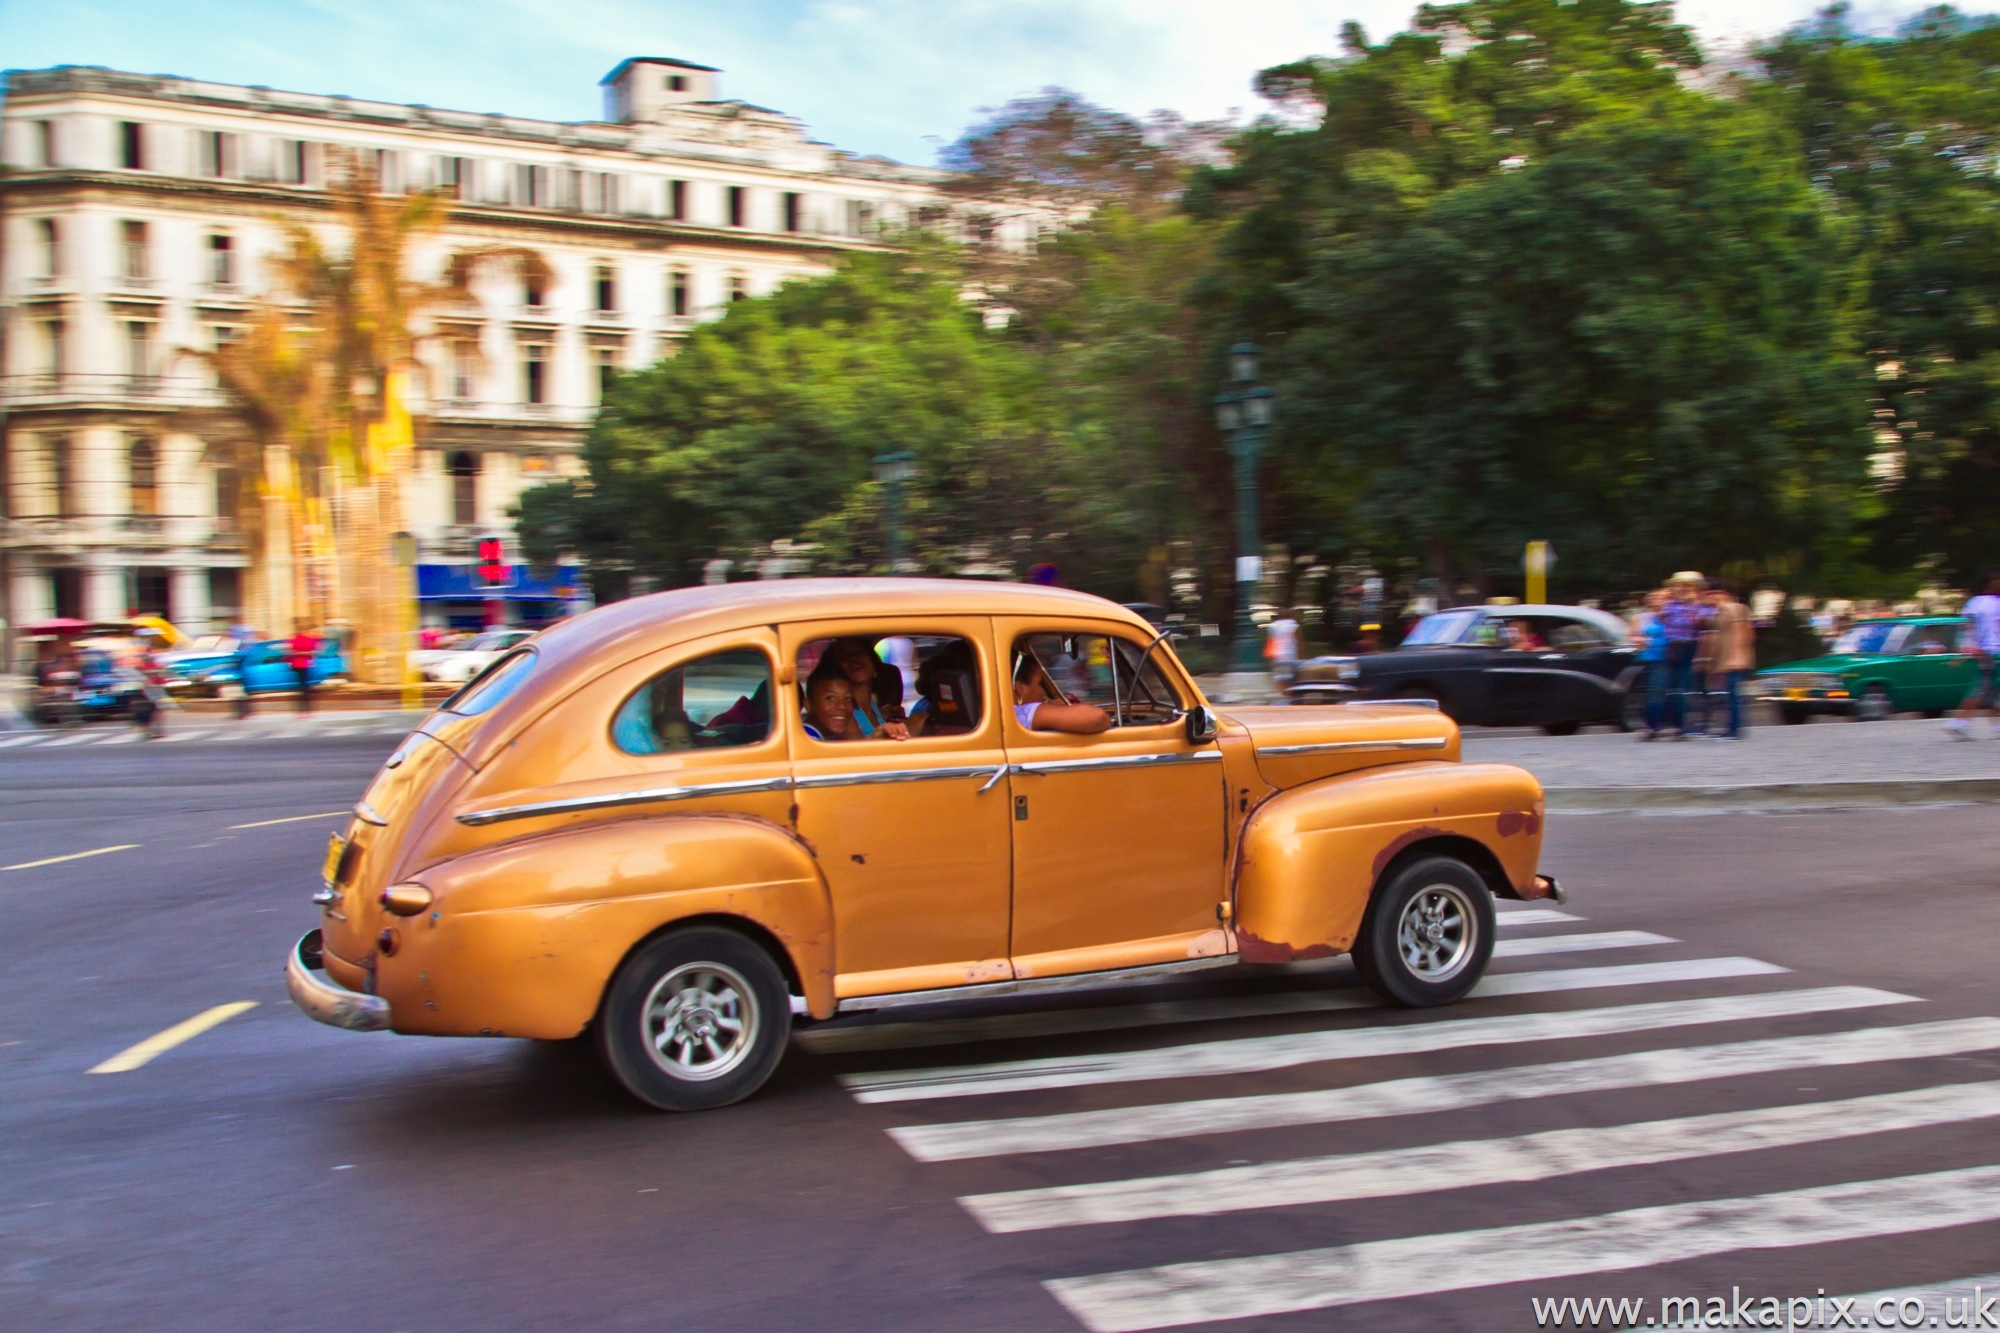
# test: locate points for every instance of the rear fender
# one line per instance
(523, 937)
(1311, 856)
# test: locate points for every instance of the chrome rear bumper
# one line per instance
(320, 997)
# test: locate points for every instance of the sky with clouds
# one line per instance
(897, 77)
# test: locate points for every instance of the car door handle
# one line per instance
(993, 781)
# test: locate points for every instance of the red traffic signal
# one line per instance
(492, 561)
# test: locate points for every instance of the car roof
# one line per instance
(1590, 615)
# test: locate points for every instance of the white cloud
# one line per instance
(900, 77)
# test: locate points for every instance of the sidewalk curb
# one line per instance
(1777, 796)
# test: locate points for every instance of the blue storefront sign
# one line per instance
(461, 583)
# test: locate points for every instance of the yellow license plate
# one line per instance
(336, 847)
(1795, 692)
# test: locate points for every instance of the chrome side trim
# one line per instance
(1070, 981)
(897, 775)
(1041, 768)
(367, 814)
(649, 796)
(1356, 747)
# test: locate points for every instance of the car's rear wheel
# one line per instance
(1427, 935)
(1875, 705)
(1561, 728)
(696, 1019)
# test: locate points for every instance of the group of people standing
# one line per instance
(1697, 643)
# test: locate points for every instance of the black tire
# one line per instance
(1874, 705)
(1934, 713)
(1439, 891)
(1631, 708)
(1561, 728)
(1425, 692)
(1793, 715)
(740, 982)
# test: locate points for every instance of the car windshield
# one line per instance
(1444, 627)
(490, 643)
(1865, 638)
(209, 643)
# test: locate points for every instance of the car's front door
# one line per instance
(1938, 671)
(1118, 837)
(912, 835)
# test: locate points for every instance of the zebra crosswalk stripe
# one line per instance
(962, 1140)
(1533, 945)
(1262, 1054)
(1535, 916)
(1199, 1292)
(1471, 1162)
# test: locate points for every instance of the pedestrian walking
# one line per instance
(303, 647)
(1649, 636)
(1684, 617)
(1983, 611)
(1281, 648)
(1731, 653)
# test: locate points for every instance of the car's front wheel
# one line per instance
(695, 1019)
(1794, 714)
(1428, 933)
(1875, 705)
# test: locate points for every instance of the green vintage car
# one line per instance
(1877, 668)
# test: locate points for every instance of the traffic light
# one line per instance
(492, 561)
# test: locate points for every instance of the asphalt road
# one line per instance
(270, 1173)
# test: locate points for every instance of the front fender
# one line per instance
(523, 937)
(1311, 856)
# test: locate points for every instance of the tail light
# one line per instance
(407, 899)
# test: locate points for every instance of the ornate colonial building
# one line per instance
(137, 215)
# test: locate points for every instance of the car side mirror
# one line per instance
(1201, 725)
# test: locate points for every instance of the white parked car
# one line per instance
(455, 666)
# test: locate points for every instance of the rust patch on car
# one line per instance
(1515, 822)
(1253, 949)
(1407, 838)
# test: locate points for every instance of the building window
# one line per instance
(608, 192)
(535, 372)
(45, 144)
(56, 343)
(531, 186)
(607, 289)
(464, 358)
(791, 211)
(225, 596)
(62, 474)
(132, 237)
(221, 259)
(737, 290)
(454, 177)
(139, 351)
(534, 287)
(145, 483)
(132, 145)
(860, 217)
(736, 201)
(464, 469)
(48, 238)
(677, 200)
(66, 585)
(607, 370)
(572, 189)
(677, 293)
(295, 161)
(218, 154)
(677, 83)
(228, 494)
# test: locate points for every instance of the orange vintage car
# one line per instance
(685, 822)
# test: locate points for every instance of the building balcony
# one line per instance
(75, 534)
(84, 389)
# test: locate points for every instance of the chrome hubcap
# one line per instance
(1436, 932)
(700, 1021)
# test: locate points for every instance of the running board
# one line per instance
(1069, 982)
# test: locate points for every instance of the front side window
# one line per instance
(1114, 675)
(1444, 627)
(712, 703)
(1864, 639)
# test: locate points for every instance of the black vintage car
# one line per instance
(1554, 667)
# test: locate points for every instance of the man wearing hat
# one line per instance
(1685, 619)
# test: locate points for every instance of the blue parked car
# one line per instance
(267, 668)
(197, 655)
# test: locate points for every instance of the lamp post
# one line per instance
(1243, 412)
(892, 470)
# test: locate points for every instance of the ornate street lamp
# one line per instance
(1243, 413)
(892, 470)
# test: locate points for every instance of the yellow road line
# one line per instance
(73, 856)
(290, 819)
(133, 1056)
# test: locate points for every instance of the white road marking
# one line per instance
(1442, 1092)
(893, 1036)
(1252, 1055)
(1535, 916)
(73, 856)
(134, 1056)
(75, 738)
(1193, 1293)
(1603, 939)
(1472, 1162)
(289, 819)
(28, 739)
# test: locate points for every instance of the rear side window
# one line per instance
(711, 703)
(500, 679)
